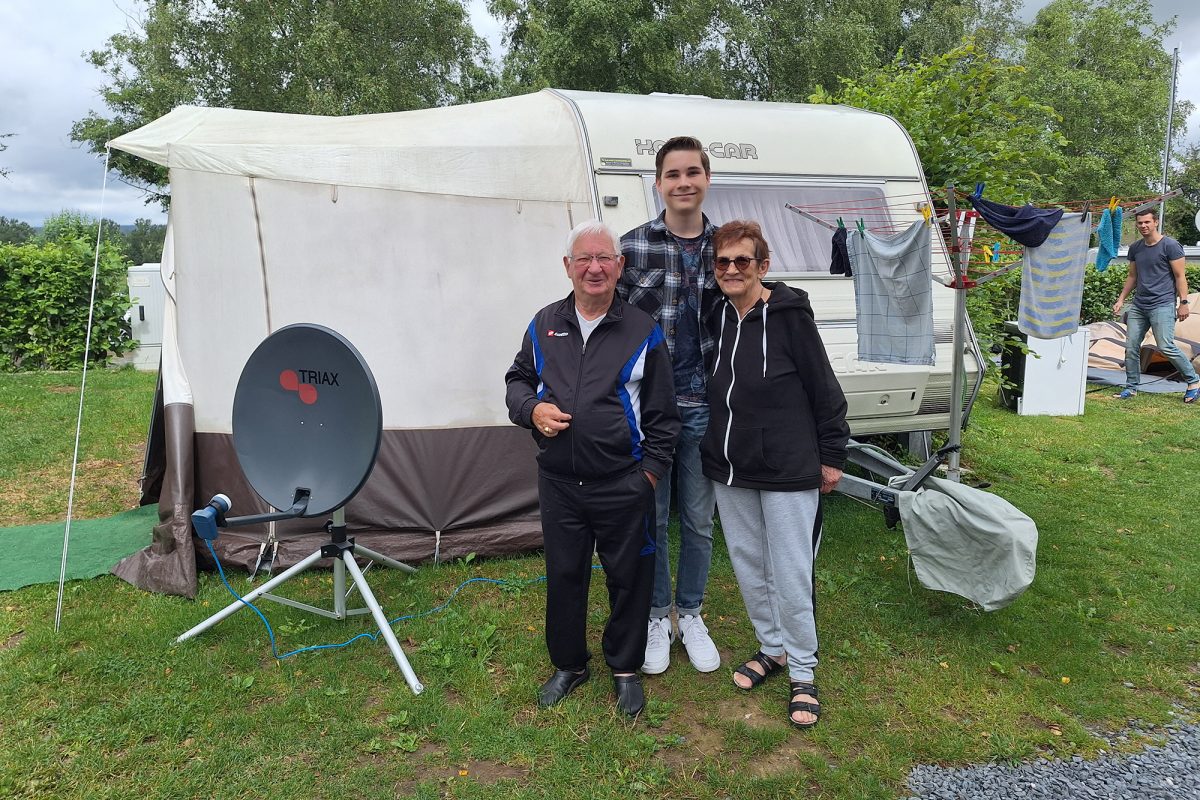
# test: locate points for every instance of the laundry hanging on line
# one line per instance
(1026, 225)
(1052, 280)
(1109, 234)
(893, 294)
(839, 259)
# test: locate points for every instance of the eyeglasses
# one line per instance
(603, 259)
(741, 262)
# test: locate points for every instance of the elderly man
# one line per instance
(593, 381)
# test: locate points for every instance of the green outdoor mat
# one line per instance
(33, 553)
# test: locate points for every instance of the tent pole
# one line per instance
(954, 434)
(87, 351)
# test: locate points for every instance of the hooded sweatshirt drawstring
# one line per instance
(764, 313)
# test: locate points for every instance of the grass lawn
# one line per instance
(110, 707)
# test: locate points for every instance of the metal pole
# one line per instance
(954, 435)
(1162, 206)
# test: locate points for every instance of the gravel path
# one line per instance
(1170, 771)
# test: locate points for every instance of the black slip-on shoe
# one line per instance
(561, 684)
(630, 697)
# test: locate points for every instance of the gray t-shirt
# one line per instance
(1155, 280)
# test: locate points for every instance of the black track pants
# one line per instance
(614, 518)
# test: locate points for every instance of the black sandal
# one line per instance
(770, 667)
(794, 705)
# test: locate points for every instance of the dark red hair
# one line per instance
(734, 231)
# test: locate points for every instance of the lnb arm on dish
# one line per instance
(209, 519)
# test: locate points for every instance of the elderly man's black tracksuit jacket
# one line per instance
(619, 391)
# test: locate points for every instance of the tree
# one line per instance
(300, 56)
(788, 49)
(1102, 66)
(14, 231)
(144, 244)
(967, 119)
(1180, 221)
(612, 45)
(4, 172)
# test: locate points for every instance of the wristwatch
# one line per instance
(1183, 302)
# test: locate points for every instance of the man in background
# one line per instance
(1157, 272)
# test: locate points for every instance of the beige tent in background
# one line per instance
(1107, 347)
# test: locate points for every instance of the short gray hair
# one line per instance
(592, 226)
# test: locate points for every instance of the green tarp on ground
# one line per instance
(33, 553)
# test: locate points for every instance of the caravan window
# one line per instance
(798, 245)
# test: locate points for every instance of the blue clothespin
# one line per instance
(996, 253)
(978, 191)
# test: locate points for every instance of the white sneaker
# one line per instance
(700, 648)
(658, 646)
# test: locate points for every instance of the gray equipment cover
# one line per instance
(969, 542)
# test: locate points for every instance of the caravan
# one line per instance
(428, 238)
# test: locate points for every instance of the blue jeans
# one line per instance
(1161, 320)
(696, 502)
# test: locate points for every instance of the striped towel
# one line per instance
(1052, 280)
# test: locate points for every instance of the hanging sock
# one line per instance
(1052, 281)
(840, 258)
(893, 295)
(1109, 234)
(1027, 225)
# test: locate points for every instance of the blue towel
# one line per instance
(1109, 234)
(1028, 225)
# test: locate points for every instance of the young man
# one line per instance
(668, 274)
(1156, 269)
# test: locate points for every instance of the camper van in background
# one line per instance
(764, 156)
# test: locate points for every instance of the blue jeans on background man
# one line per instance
(1161, 320)
(696, 503)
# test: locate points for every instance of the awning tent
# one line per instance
(426, 238)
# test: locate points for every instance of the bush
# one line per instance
(46, 288)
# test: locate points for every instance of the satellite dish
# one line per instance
(306, 428)
(306, 414)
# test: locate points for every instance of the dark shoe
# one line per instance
(768, 665)
(561, 684)
(630, 697)
(803, 688)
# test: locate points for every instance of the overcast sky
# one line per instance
(45, 86)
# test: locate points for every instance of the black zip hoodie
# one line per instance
(776, 410)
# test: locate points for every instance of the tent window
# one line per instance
(798, 245)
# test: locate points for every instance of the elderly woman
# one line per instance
(775, 443)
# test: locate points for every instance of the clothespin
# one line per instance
(841, 224)
(1112, 204)
(979, 190)
(1087, 204)
(861, 227)
(996, 253)
(927, 213)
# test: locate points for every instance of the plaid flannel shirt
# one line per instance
(653, 278)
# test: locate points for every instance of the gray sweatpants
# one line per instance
(773, 538)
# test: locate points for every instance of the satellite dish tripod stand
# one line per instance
(343, 550)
